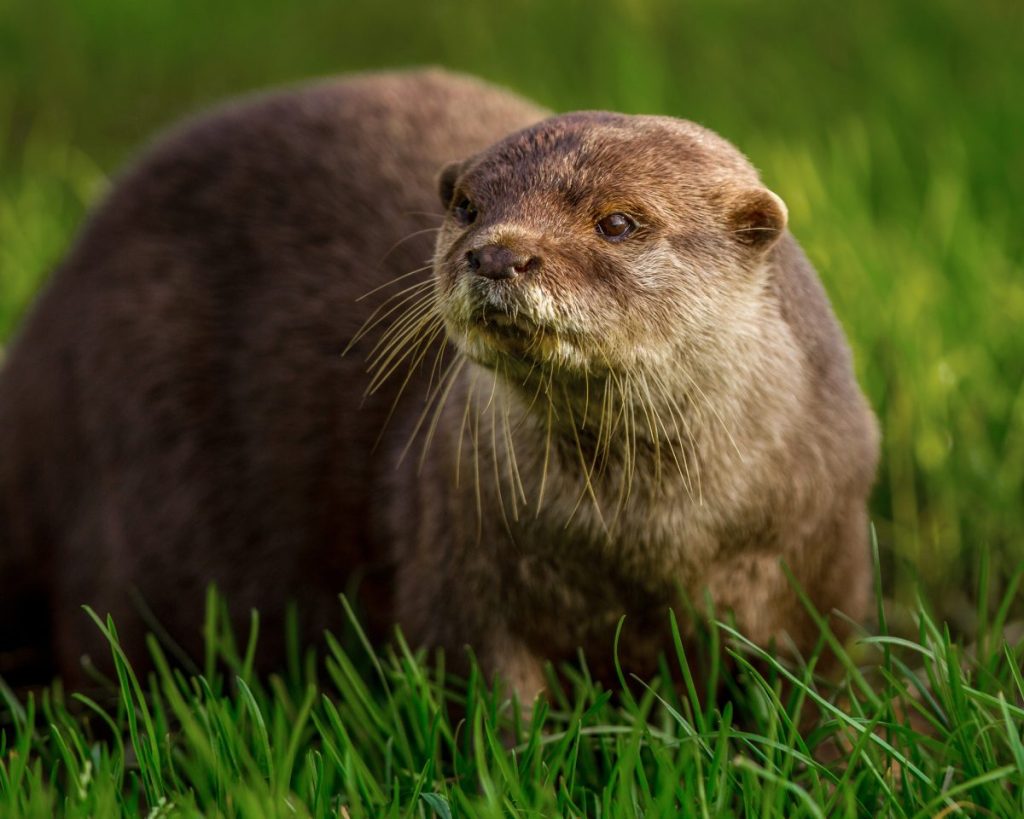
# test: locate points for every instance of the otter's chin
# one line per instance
(509, 344)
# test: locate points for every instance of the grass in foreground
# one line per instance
(931, 729)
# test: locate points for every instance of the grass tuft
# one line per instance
(924, 727)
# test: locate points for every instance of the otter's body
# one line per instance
(554, 427)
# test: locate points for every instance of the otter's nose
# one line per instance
(500, 262)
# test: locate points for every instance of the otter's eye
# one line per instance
(465, 211)
(615, 227)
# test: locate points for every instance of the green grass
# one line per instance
(892, 131)
(931, 730)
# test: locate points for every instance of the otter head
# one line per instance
(596, 242)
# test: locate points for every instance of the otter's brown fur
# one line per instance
(673, 411)
(536, 454)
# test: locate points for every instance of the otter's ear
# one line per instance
(757, 218)
(446, 182)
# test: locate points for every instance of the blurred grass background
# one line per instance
(893, 130)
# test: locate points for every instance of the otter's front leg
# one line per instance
(457, 605)
(514, 665)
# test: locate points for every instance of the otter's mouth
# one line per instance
(514, 333)
(517, 344)
(498, 327)
(505, 323)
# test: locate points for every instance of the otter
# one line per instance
(505, 375)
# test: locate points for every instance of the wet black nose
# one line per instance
(500, 262)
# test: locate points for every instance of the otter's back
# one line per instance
(177, 410)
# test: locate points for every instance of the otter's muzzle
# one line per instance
(498, 262)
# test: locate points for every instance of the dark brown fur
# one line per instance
(177, 410)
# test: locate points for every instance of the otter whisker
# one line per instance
(435, 401)
(536, 392)
(668, 405)
(710, 405)
(754, 230)
(497, 471)
(547, 444)
(405, 239)
(395, 280)
(425, 346)
(389, 303)
(634, 400)
(586, 395)
(624, 466)
(529, 373)
(494, 390)
(414, 305)
(419, 342)
(462, 433)
(438, 359)
(609, 419)
(402, 342)
(398, 335)
(679, 416)
(413, 354)
(630, 405)
(380, 314)
(517, 481)
(476, 464)
(644, 398)
(457, 364)
(676, 442)
(605, 425)
(588, 488)
(394, 335)
(533, 349)
(628, 444)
